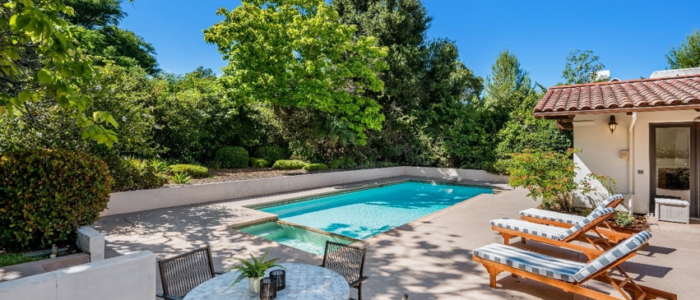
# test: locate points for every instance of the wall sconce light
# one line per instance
(612, 124)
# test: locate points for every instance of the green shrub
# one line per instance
(345, 162)
(232, 157)
(191, 170)
(181, 178)
(47, 194)
(315, 167)
(259, 162)
(271, 153)
(623, 219)
(288, 164)
(135, 174)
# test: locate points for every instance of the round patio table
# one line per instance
(303, 282)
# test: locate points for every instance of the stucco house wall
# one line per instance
(600, 150)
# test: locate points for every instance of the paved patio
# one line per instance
(428, 259)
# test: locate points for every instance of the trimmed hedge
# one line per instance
(271, 153)
(232, 157)
(259, 162)
(285, 164)
(46, 195)
(134, 174)
(315, 167)
(192, 170)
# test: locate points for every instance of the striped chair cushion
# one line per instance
(551, 216)
(549, 232)
(544, 265)
(609, 257)
(594, 216)
(609, 200)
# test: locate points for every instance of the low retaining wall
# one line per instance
(130, 276)
(142, 200)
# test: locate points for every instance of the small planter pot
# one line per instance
(254, 285)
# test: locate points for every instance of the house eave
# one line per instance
(556, 115)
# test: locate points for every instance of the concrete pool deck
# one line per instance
(428, 259)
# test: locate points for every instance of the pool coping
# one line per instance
(380, 236)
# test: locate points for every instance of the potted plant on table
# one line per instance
(254, 270)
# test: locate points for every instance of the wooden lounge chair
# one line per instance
(608, 229)
(571, 276)
(557, 236)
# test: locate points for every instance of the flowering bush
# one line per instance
(546, 175)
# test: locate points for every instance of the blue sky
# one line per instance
(631, 37)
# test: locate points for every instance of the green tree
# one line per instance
(104, 40)
(426, 86)
(295, 54)
(688, 53)
(41, 59)
(583, 67)
(507, 78)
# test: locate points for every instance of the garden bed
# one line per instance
(226, 175)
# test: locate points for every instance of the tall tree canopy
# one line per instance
(41, 59)
(583, 67)
(687, 55)
(103, 38)
(296, 54)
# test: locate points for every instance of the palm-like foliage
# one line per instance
(254, 268)
(181, 178)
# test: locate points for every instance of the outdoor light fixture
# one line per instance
(612, 124)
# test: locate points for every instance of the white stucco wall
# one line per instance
(130, 276)
(142, 200)
(601, 150)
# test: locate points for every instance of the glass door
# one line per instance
(673, 164)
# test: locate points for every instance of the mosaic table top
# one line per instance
(303, 282)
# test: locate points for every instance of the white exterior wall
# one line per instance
(130, 276)
(600, 150)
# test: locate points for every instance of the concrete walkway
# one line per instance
(428, 259)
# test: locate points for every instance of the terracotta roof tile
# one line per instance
(665, 93)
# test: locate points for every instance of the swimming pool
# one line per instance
(295, 237)
(365, 213)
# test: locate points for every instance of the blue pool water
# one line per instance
(295, 237)
(365, 213)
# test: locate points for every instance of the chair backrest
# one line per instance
(348, 261)
(182, 273)
(598, 216)
(612, 201)
(612, 256)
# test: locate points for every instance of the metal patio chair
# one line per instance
(348, 261)
(182, 273)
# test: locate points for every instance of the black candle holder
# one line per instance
(268, 288)
(280, 277)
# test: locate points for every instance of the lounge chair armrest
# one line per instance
(169, 297)
(359, 281)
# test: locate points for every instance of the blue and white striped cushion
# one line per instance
(597, 213)
(549, 232)
(604, 260)
(551, 216)
(609, 200)
(544, 265)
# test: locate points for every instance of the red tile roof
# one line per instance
(682, 92)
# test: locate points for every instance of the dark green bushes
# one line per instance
(135, 174)
(232, 157)
(47, 194)
(271, 153)
(284, 164)
(191, 170)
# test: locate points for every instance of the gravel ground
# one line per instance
(223, 175)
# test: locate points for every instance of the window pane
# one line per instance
(673, 162)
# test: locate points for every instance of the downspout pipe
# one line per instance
(630, 175)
